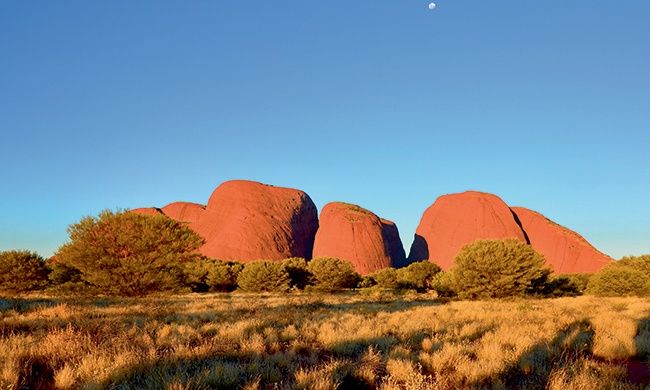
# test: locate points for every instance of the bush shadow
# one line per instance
(533, 368)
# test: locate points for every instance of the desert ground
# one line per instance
(323, 341)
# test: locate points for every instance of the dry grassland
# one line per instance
(303, 341)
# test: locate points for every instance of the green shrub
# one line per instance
(366, 281)
(22, 271)
(62, 273)
(496, 269)
(619, 280)
(641, 263)
(223, 277)
(299, 275)
(442, 284)
(333, 274)
(386, 278)
(565, 285)
(65, 279)
(130, 254)
(212, 275)
(418, 276)
(267, 276)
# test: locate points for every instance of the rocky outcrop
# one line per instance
(394, 243)
(456, 220)
(564, 250)
(147, 211)
(246, 221)
(184, 211)
(352, 233)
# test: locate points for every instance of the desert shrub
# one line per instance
(496, 269)
(619, 280)
(65, 279)
(208, 274)
(442, 284)
(299, 275)
(62, 273)
(22, 271)
(224, 276)
(418, 276)
(332, 274)
(122, 253)
(386, 278)
(565, 285)
(264, 276)
(641, 263)
(366, 281)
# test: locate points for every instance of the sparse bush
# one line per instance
(333, 274)
(418, 276)
(22, 271)
(619, 280)
(212, 275)
(298, 273)
(267, 276)
(496, 269)
(130, 254)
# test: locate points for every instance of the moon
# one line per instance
(432, 5)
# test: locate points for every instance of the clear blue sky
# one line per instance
(384, 103)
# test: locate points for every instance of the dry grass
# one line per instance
(304, 341)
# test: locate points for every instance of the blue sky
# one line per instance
(382, 103)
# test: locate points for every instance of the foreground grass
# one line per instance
(323, 342)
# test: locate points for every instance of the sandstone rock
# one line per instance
(394, 242)
(184, 211)
(456, 220)
(246, 221)
(147, 211)
(352, 233)
(564, 250)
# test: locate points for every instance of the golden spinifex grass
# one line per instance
(323, 342)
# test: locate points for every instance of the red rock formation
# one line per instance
(394, 242)
(352, 233)
(147, 211)
(184, 211)
(456, 220)
(246, 221)
(565, 250)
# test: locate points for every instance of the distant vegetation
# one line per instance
(629, 276)
(267, 276)
(332, 274)
(127, 254)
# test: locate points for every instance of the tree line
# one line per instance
(127, 254)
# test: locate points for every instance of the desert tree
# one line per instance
(22, 271)
(123, 253)
(497, 269)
